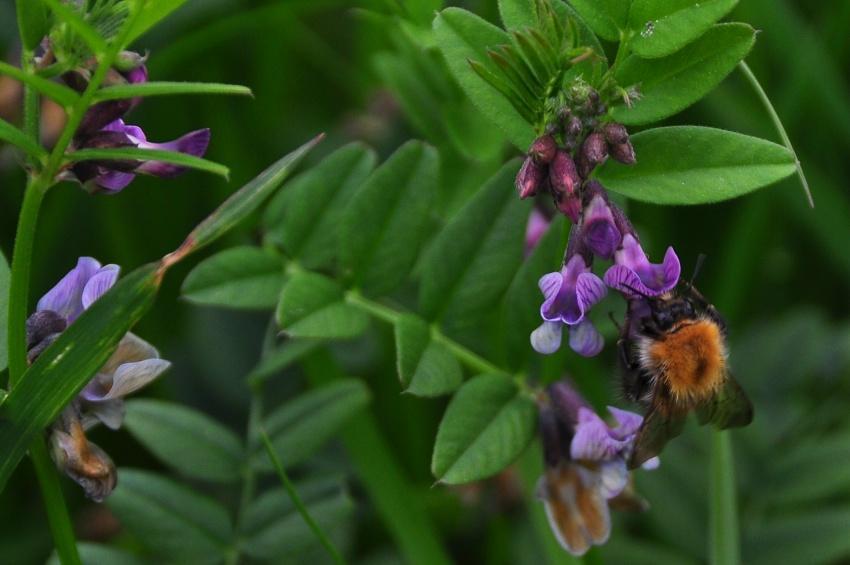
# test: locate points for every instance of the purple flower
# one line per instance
(598, 224)
(113, 176)
(568, 297)
(99, 115)
(632, 273)
(585, 467)
(132, 365)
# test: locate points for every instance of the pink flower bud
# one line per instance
(543, 149)
(530, 178)
(593, 151)
(615, 134)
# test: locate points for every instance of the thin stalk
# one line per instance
(57, 511)
(249, 479)
(391, 316)
(296, 500)
(395, 500)
(774, 117)
(724, 545)
(31, 103)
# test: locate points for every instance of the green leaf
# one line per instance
(66, 366)
(243, 202)
(4, 311)
(487, 425)
(385, 222)
(814, 470)
(664, 26)
(523, 298)
(240, 277)
(605, 17)
(816, 536)
(312, 306)
(162, 88)
(136, 153)
(282, 357)
(152, 12)
(169, 519)
(274, 529)
(63, 95)
(97, 554)
(471, 262)
(186, 440)
(33, 22)
(696, 165)
(16, 137)
(671, 84)
(463, 36)
(425, 367)
(300, 427)
(304, 219)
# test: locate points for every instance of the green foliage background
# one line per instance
(778, 270)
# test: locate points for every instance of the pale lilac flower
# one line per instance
(568, 297)
(133, 364)
(632, 273)
(585, 467)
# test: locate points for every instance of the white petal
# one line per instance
(546, 339)
(131, 349)
(130, 377)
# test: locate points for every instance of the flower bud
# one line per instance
(129, 60)
(543, 149)
(530, 178)
(615, 134)
(563, 177)
(624, 153)
(593, 151)
(573, 127)
(598, 224)
(42, 324)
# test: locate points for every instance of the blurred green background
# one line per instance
(779, 270)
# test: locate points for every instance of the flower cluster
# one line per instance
(600, 230)
(103, 127)
(134, 364)
(585, 471)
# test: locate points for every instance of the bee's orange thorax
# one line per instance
(691, 358)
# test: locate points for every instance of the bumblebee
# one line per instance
(673, 359)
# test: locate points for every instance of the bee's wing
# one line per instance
(660, 425)
(729, 408)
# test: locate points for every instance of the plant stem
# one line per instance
(774, 117)
(724, 546)
(296, 500)
(20, 278)
(57, 512)
(31, 103)
(402, 512)
(387, 314)
(249, 479)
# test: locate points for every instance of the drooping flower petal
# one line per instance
(534, 230)
(546, 339)
(131, 377)
(585, 339)
(66, 297)
(613, 477)
(130, 349)
(99, 283)
(84, 462)
(651, 464)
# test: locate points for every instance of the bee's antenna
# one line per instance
(636, 291)
(697, 268)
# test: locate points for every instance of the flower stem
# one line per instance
(296, 500)
(724, 547)
(774, 117)
(387, 314)
(57, 512)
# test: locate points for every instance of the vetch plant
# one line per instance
(479, 290)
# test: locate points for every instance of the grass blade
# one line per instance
(165, 88)
(135, 153)
(61, 94)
